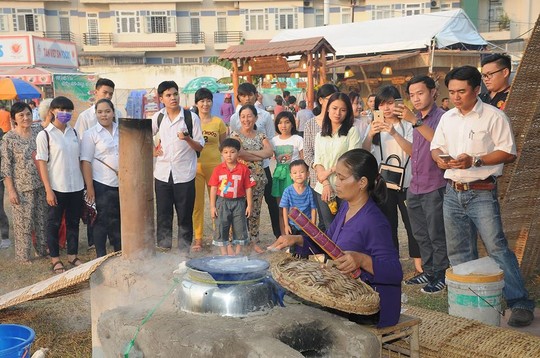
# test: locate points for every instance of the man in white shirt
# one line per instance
(87, 119)
(247, 94)
(479, 140)
(176, 166)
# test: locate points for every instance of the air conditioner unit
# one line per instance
(308, 3)
(435, 4)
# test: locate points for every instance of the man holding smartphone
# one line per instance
(426, 191)
(471, 204)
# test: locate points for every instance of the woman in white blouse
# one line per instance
(337, 136)
(99, 163)
(393, 136)
(58, 162)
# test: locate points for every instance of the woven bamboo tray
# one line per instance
(325, 286)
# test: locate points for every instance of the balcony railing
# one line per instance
(59, 35)
(222, 37)
(98, 38)
(190, 38)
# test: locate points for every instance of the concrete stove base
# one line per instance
(296, 331)
(123, 292)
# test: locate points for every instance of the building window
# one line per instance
(160, 22)
(128, 22)
(382, 12)
(319, 17)
(346, 17)
(286, 19)
(26, 20)
(412, 9)
(191, 60)
(4, 23)
(257, 20)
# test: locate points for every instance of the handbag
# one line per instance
(89, 211)
(393, 175)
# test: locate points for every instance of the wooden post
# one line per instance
(235, 81)
(309, 90)
(136, 188)
(322, 69)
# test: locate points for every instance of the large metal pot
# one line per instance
(227, 286)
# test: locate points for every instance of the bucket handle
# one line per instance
(483, 299)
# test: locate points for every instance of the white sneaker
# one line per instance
(5, 243)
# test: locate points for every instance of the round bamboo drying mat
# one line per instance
(325, 286)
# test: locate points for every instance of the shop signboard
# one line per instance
(55, 53)
(79, 88)
(15, 51)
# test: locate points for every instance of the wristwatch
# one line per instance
(477, 162)
(418, 123)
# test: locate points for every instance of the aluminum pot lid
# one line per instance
(228, 264)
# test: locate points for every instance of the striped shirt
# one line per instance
(304, 202)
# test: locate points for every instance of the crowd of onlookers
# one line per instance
(355, 172)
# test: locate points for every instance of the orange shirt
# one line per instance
(5, 120)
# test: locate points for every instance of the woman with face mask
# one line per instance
(58, 162)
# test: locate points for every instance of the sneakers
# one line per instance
(520, 317)
(434, 286)
(5, 243)
(420, 279)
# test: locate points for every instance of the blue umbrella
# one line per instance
(14, 88)
(210, 83)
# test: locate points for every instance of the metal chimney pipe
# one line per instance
(136, 180)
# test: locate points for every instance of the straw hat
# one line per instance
(326, 286)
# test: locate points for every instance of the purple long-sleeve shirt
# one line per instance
(369, 232)
(426, 175)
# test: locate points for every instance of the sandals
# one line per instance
(197, 245)
(58, 268)
(75, 262)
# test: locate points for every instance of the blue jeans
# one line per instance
(472, 212)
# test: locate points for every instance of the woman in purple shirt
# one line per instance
(227, 109)
(363, 232)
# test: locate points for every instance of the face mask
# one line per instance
(63, 117)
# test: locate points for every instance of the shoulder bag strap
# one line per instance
(107, 165)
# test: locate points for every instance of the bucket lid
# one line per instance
(474, 278)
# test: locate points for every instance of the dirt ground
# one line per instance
(64, 326)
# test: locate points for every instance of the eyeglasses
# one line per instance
(487, 76)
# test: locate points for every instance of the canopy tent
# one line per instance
(449, 29)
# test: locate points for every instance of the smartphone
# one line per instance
(398, 101)
(378, 116)
(445, 157)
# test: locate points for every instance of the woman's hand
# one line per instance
(13, 197)
(374, 129)
(387, 127)
(327, 193)
(322, 175)
(51, 198)
(349, 262)
(90, 195)
(285, 241)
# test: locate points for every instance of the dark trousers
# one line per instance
(396, 200)
(325, 215)
(427, 222)
(4, 223)
(182, 197)
(107, 222)
(271, 201)
(71, 205)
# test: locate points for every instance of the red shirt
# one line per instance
(231, 183)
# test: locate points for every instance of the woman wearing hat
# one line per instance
(227, 109)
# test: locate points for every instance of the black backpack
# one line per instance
(189, 124)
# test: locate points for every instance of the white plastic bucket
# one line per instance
(476, 297)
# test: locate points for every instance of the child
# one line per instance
(288, 146)
(298, 195)
(231, 182)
